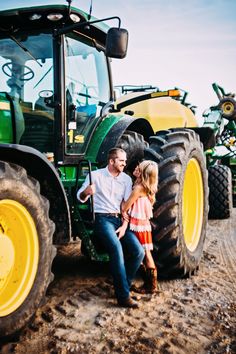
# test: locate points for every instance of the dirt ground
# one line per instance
(195, 315)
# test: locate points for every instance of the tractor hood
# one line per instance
(159, 108)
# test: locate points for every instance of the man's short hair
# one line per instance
(112, 153)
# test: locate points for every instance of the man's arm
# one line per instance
(85, 191)
(90, 190)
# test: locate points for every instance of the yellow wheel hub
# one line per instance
(193, 204)
(227, 108)
(19, 255)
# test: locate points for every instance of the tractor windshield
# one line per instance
(26, 70)
(87, 90)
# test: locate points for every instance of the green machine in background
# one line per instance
(221, 159)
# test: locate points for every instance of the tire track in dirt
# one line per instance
(220, 251)
(227, 250)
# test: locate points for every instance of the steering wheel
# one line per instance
(28, 74)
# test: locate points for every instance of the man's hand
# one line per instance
(90, 190)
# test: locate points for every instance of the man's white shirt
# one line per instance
(110, 190)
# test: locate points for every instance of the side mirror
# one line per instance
(116, 43)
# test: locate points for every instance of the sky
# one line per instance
(188, 44)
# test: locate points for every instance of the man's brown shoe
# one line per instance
(128, 303)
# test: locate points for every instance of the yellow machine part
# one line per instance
(162, 112)
(192, 204)
(19, 255)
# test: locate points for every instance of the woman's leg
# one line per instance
(149, 262)
(150, 285)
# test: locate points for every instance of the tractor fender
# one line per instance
(51, 187)
(138, 125)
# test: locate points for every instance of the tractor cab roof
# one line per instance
(49, 17)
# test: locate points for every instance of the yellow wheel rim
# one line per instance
(193, 202)
(227, 108)
(19, 255)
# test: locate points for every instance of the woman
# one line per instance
(139, 207)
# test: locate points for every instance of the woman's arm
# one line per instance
(135, 194)
(125, 205)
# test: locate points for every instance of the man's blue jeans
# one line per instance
(123, 270)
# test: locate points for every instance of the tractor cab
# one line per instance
(55, 79)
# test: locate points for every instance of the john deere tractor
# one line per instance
(221, 159)
(58, 119)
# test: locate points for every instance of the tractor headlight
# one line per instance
(75, 18)
(54, 17)
(35, 17)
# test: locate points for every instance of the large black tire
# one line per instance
(181, 208)
(220, 192)
(134, 146)
(26, 250)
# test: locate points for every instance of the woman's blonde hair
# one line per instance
(149, 178)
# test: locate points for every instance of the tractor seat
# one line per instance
(40, 105)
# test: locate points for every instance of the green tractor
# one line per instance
(221, 159)
(58, 119)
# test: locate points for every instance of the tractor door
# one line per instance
(87, 90)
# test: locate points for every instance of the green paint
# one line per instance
(224, 152)
(100, 134)
(6, 133)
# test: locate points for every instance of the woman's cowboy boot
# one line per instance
(152, 286)
(143, 272)
(141, 289)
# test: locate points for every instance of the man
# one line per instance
(110, 186)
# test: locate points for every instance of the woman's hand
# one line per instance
(121, 230)
(125, 216)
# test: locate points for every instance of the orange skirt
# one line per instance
(145, 238)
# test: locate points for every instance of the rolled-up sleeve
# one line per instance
(82, 188)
